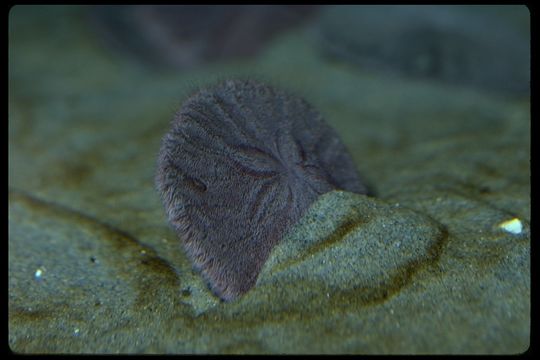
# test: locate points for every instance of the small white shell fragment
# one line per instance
(513, 226)
(38, 273)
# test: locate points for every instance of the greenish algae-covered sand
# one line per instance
(422, 267)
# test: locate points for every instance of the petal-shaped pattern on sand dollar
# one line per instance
(241, 164)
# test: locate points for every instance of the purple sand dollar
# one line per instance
(242, 163)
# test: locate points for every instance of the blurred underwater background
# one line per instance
(433, 102)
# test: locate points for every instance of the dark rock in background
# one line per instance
(479, 46)
(183, 36)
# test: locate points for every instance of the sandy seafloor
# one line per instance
(422, 267)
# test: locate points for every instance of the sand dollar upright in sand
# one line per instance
(241, 164)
